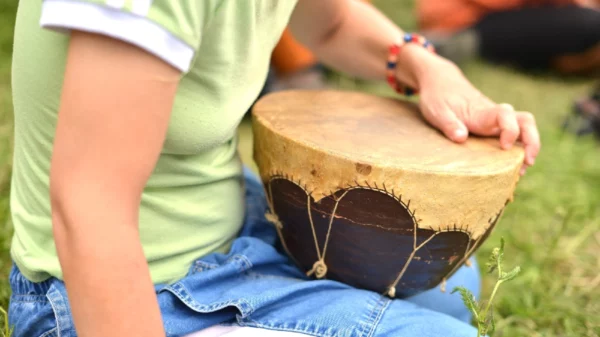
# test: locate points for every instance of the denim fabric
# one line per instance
(255, 285)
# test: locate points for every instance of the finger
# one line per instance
(507, 106)
(509, 126)
(484, 120)
(495, 131)
(529, 136)
(448, 123)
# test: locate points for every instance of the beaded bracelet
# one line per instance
(392, 61)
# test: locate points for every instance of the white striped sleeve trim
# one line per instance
(67, 15)
(115, 3)
(141, 7)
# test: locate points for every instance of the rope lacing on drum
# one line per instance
(319, 268)
(443, 285)
(272, 217)
(392, 288)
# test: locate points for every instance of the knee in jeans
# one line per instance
(400, 320)
(448, 327)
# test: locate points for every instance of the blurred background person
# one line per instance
(562, 35)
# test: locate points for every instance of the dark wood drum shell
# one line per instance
(366, 222)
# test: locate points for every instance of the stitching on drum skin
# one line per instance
(471, 249)
(391, 290)
(398, 198)
(319, 268)
(321, 260)
(451, 229)
(282, 175)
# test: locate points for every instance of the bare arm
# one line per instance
(353, 37)
(114, 112)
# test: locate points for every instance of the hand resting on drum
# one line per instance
(454, 106)
(333, 30)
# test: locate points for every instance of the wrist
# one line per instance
(416, 65)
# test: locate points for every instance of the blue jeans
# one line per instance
(255, 285)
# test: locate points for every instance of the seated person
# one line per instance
(563, 35)
(132, 211)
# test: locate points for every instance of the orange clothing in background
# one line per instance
(290, 56)
(453, 15)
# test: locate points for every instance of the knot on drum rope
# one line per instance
(274, 219)
(392, 292)
(319, 269)
(443, 285)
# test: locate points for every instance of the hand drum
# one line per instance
(363, 191)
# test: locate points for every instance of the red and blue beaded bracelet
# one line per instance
(392, 61)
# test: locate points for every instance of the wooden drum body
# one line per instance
(363, 191)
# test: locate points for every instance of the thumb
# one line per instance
(448, 123)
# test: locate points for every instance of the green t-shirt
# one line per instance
(193, 203)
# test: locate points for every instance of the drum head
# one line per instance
(379, 131)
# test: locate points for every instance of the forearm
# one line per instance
(354, 38)
(106, 276)
(359, 46)
(114, 114)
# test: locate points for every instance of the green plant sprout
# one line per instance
(483, 312)
(5, 331)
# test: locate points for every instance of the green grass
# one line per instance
(7, 9)
(552, 229)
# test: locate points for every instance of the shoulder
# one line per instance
(169, 29)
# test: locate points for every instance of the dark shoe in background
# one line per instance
(585, 118)
(458, 48)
